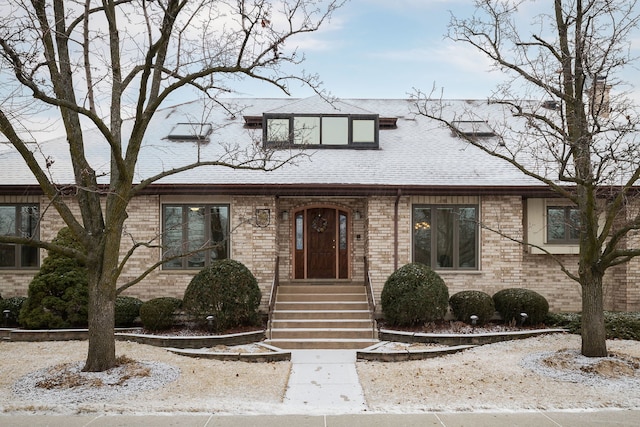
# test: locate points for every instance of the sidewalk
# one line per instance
(322, 379)
(601, 418)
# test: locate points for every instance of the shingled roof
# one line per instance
(418, 155)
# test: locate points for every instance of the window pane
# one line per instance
(219, 232)
(343, 232)
(7, 228)
(444, 238)
(196, 235)
(28, 228)
(172, 240)
(364, 131)
(306, 130)
(422, 235)
(574, 224)
(555, 224)
(335, 130)
(299, 232)
(467, 237)
(278, 130)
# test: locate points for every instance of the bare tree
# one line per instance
(563, 125)
(85, 59)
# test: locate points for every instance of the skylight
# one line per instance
(190, 132)
(474, 128)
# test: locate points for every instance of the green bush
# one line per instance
(467, 303)
(127, 310)
(58, 293)
(622, 325)
(158, 313)
(568, 321)
(513, 301)
(618, 325)
(225, 290)
(13, 304)
(414, 294)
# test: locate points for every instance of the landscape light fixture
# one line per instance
(210, 319)
(474, 319)
(6, 317)
(523, 318)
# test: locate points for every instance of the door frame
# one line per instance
(299, 246)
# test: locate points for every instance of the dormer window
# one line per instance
(191, 132)
(321, 131)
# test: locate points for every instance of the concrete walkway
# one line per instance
(322, 380)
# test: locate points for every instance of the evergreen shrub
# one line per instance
(127, 310)
(157, 314)
(513, 301)
(58, 294)
(414, 294)
(467, 303)
(226, 290)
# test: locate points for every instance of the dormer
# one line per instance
(321, 130)
(316, 123)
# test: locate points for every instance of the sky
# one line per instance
(386, 48)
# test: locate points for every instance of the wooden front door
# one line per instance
(321, 244)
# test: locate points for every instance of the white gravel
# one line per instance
(514, 375)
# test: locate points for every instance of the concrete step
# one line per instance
(311, 297)
(322, 305)
(320, 289)
(322, 323)
(322, 334)
(320, 314)
(333, 344)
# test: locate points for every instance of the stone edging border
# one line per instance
(374, 355)
(193, 342)
(273, 355)
(456, 343)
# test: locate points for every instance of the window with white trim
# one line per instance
(19, 220)
(194, 235)
(563, 224)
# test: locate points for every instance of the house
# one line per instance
(369, 187)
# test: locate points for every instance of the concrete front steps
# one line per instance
(321, 316)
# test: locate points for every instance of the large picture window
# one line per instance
(22, 221)
(198, 234)
(563, 224)
(446, 236)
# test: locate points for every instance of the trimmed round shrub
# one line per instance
(58, 294)
(467, 303)
(226, 290)
(127, 310)
(157, 314)
(13, 304)
(414, 294)
(513, 301)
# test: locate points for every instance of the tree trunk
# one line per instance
(102, 347)
(594, 336)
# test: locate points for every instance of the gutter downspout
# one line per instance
(395, 230)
